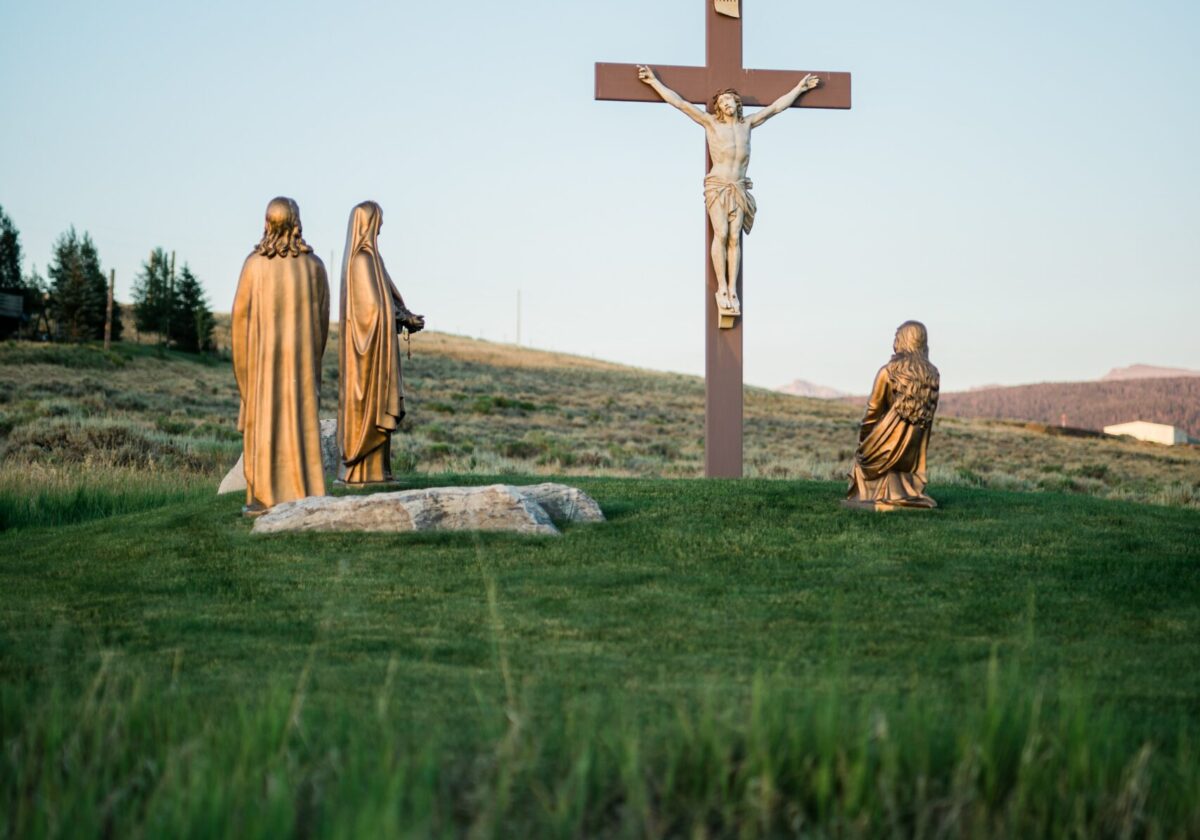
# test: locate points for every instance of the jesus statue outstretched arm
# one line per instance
(784, 102)
(671, 97)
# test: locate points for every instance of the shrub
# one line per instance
(101, 444)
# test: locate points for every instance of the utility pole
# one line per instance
(112, 280)
(166, 337)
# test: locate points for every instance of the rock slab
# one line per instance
(497, 507)
(564, 503)
(235, 480)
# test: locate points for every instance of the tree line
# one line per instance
(71, 302)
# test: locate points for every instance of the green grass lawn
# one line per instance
(719, 659)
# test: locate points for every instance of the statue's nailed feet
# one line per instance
(728, 303)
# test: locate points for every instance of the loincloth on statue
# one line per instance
(730, 196)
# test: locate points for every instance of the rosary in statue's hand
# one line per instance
(412, 323)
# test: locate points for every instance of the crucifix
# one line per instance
(725, 86)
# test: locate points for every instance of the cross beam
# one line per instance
(723, 69)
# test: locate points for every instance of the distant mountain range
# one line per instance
(1138, 392)
(1146, 372)
(803, 388)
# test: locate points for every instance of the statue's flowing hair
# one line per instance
(283, 236)
(712, 104)
(915, 381)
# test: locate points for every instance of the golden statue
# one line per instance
(280, 325)
(889, 465)
(370, 391)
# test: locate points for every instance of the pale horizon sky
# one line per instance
(1022, 177)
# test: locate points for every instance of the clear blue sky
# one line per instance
(1023, 176)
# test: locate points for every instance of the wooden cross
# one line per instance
(722, 69)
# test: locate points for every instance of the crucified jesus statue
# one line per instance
(731, 207)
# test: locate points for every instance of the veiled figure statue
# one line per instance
(280, 324)
(370, 389)
(889, 466)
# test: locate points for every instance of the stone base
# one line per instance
(859, 504)
(365, 485)
(498, 507)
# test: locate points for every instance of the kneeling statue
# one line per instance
(889, 464)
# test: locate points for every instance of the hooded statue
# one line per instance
(370, 389)
(279, 327)
(889, 465)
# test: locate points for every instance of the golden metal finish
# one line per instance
(280, 325)
(889, 466)
(370, 388)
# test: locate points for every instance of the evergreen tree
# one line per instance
(10, 255)
(191, 320)
(79, 289)
(153, 295)
(31, 288)
(70, 288)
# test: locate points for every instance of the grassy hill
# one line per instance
(168, 421)
(719, 659)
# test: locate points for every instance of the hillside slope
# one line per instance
(479, 407)
(1087, 405)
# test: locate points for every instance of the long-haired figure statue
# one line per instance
(280, 324)
(889, 466)
(370, 388)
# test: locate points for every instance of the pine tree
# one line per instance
(10, 255)
(153, 297)
(70, 289)
(79, 289)
(191, 320)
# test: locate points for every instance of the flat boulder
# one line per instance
(564, 503)
(235, 480)
(496, 507)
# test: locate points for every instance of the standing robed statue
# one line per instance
(370, 389)
(889, 465)
(280, 325)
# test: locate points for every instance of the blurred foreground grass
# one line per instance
(720, 659)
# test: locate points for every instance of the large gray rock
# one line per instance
(563, 503)
(498, 507)
(235, 480)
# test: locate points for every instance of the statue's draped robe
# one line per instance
(889, 465)
(280, 325)
(730, 196)
(370, 389)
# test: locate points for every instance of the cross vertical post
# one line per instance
(723, 361)
(723, 69)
